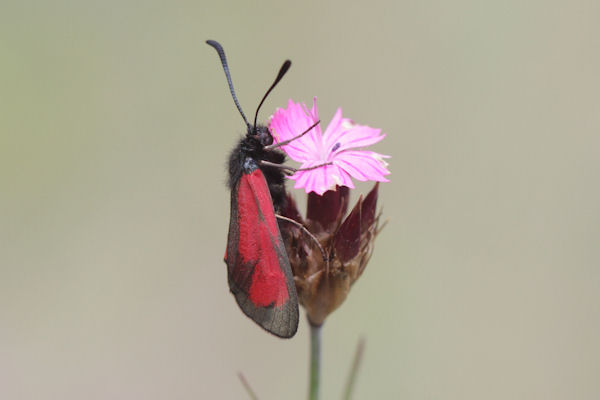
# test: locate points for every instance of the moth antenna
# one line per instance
(221, 53)
(284, 68)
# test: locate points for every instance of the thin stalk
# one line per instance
(315, 362)
(247, 386)
(354, 369)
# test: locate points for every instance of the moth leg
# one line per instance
(290, 170)
(307, 232)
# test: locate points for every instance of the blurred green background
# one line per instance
(115, 121)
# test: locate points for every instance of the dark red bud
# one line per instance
(344, 199)
(369, 207)
(328, 208)
(347, 239)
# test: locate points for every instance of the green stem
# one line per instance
(315, 362)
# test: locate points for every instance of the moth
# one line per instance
(258, 269)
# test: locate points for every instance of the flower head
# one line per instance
(323, 283)
(336, 149)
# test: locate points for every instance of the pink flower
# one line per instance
(337, 147)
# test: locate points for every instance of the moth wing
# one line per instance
(260, 276)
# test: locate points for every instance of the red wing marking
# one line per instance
(268, 281)
(259, 243)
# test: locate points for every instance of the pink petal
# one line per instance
(314, 180)
(315, 137)
(341, 177)
(302, 177)
(314, 112)
(363, 165)
(288, 123)
(334, 129)
(359, 136)
(320, 180)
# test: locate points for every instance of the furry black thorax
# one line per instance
(246, 157)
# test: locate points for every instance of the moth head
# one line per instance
(262, 134)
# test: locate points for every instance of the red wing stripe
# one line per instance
(248, 220)
(258, 242)
(268, 281)
(257, 182)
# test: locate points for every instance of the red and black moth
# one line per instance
(258, 268)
